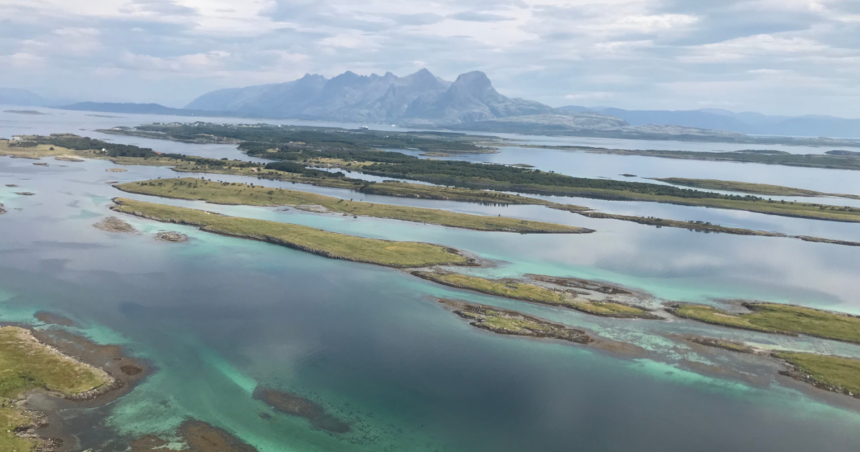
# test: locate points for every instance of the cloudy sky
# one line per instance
(773, 56)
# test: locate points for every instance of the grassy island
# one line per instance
(847, 160)
(519, 290)
(699, 226)
(748, 187)
(503, 321)
(245, 194)
(304, 238)
(26, 364)
(833, 373)
(779, 319)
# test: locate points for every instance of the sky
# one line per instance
(787, 57)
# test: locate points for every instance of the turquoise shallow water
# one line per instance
(219, 316)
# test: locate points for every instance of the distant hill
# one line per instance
(143, 109)
(420, 98)
(746, 122)
(22, 97)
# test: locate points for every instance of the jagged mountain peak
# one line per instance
(420, 97)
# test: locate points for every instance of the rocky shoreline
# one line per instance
(503, 321)
(796, 372)
(199, 436)
(121, 373)
(588, 302)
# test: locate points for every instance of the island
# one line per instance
(520, 290)
(28, 364)
(846, 160)
(305, 173)
(248, 194)
(751, 188)
(315, 241)
(503, 321)
(776, 318)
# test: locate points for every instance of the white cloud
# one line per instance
(194, 63)
(596, 95)
(23, 60)
(642, 53)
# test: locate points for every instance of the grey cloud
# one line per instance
(418, 19)
(476, 16)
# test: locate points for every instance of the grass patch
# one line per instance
(245, 194)
(700, 226)
(835, 371)
(530, 292)
(779, 318)
(312, 240)
(747, 187)
(26, 364)
(502, 321)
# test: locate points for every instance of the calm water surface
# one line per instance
(219, 316)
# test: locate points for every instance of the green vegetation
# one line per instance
(846, 160)
(316, 241)
(464, 175)
(501, 177)
(841, 374)
(747, 187)
(238, 193)
(259, 139)
(778, 318)
(530, 292)
(26, 364)
(503, 321)
(700, 226)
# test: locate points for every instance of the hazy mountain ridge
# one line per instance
(745, 122)
(417, 98)
(23, 98)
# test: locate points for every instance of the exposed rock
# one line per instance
(169, 236)
(294, 405)
(199, 436)
(68, 158)
(54, 319)
(312, 208)
(114, 224)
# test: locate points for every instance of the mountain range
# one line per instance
(420, 98)
(22, 98)
(468, 103)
